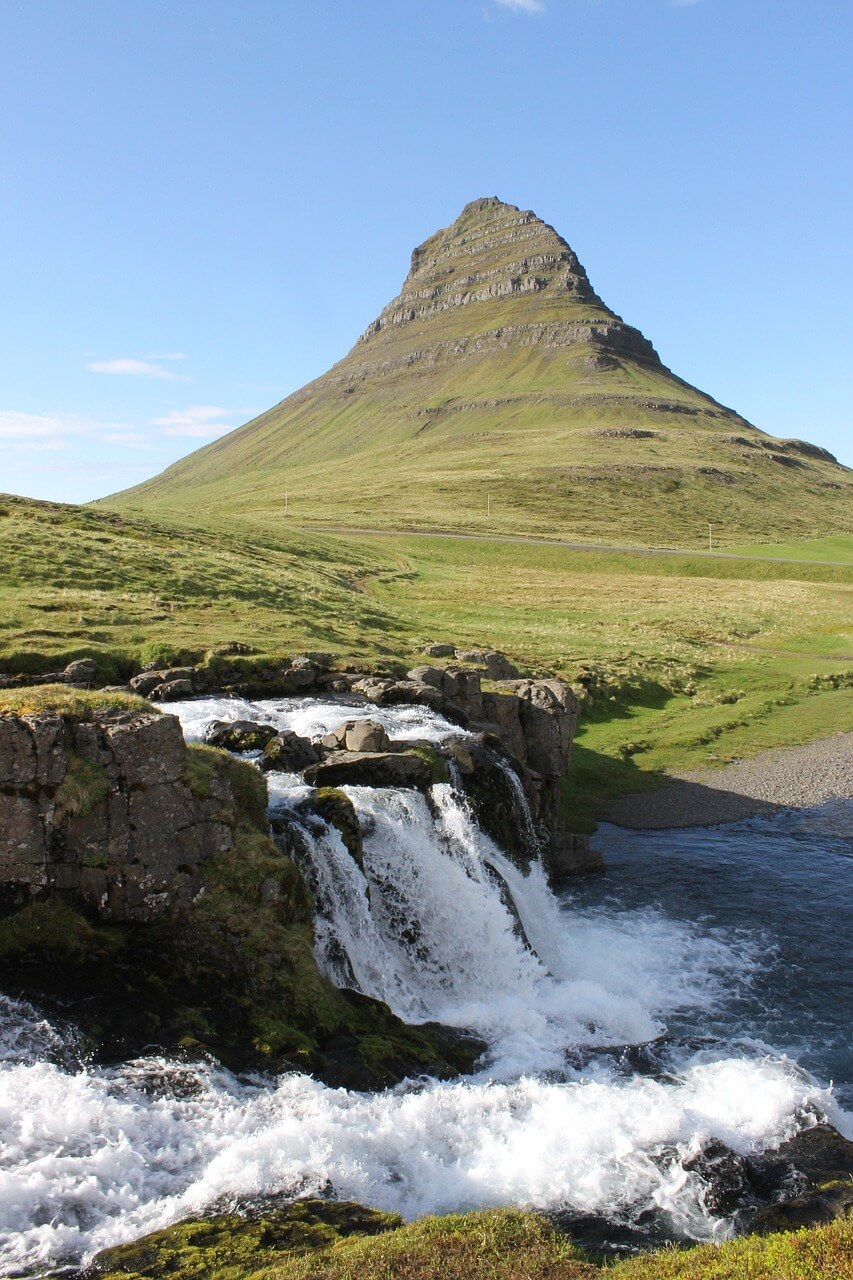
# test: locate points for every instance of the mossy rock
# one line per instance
(233, 1245)
(434, 760)
(335, 807)
(233, 975)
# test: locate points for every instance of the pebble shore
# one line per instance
(785, 778)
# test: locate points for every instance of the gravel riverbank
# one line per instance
(785, 778)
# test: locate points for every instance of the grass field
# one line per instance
(687, 660)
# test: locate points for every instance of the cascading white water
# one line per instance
(441, 925)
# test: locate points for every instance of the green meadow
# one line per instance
(682, 661)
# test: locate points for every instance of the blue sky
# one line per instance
(204, 203)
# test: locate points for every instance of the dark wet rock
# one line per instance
(572, 855)
(370, 769)
(812, 1209)
(336, 808)
(730, 1178)
(492, 798)
(239, 735)
(287, 752)
(808, 1179)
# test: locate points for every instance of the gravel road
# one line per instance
(786, 778)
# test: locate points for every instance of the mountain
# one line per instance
(497, 391)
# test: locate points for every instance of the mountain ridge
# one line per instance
(497, 369)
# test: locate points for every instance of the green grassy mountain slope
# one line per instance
(497, 390)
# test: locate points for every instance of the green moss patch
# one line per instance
(83, 787)
(435, 762)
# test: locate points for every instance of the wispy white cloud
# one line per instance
(683, 4)
(40, 430)
(522, 6)
(138, 368)
(203, 421)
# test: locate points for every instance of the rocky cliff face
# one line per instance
(141, 896)
(106, 811)
(494, 251)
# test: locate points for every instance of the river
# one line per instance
(719, 952)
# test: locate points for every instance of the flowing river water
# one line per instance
(719, 952)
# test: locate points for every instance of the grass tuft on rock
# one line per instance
(61, 699)
(83, 787)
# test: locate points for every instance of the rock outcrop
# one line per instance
(105, 811)
(142, 896)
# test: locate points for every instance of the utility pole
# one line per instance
(710, 536)
(286, 501)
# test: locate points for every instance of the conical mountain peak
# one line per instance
(497, 381)
(492, 251)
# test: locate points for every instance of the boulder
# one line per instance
(144, 683)
(288, 753)
(146, 749)
(373, 688)
(439, 650)
(548, 715)
(83, 672)
(302, 663)
(432, 676)
(357, 735)
(370, 769)
(177, 673)
(239, 735)
(570, 854)
(496, 665)
(171, 690)
(336, 808)
(365, 735)
(817, 1164)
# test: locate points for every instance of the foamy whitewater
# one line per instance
(444, 927)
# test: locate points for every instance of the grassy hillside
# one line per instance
(688, 660)
(498, 393)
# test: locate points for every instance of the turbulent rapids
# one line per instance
(565, 1112)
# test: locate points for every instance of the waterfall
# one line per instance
(520, 804)
(441, 925)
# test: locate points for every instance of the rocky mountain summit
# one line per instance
(494, 251)
(498, 392)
